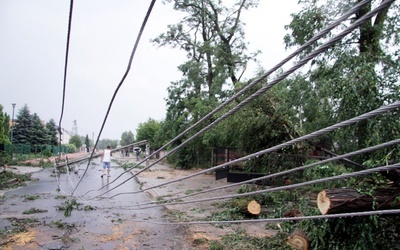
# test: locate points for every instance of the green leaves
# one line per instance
(29, 129)
(75, 140)
(355, 76)
(4, 127)
(127, 138)
(150, 131)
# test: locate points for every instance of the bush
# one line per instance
(47, 152)
(5, 159)
(373, 232)
(71, 148)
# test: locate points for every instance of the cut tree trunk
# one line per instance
(342, 200)
(298, 240)
(254, 207)
(248, 207)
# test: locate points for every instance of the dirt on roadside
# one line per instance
(199, 211)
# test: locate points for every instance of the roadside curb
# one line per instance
(23, 169)
(144, 185)
(20, 170)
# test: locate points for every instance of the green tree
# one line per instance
(71, 148)
(38, 135)
(75, 140)
(127, 138)
(51, 133)
(30, 129)
(23, 126)
(102, 144)
(4, 127)
(149, 131)
(212, 36)
(261, 124)
(357, 75)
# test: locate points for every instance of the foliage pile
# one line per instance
(34, 210)
(18, 226)
(8, 179)
(372, 232)
(72, 204)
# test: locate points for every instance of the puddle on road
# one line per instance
(112, 225)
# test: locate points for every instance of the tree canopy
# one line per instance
(4, 127)
(103, 143)
(31, 130)
(23, 127)
(357, 75)
(75, 140)
(150, 131)
(127, 138)
(51, 133)
(212, 36)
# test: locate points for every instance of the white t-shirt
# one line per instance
(106, 155)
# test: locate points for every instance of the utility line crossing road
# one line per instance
(99, 223)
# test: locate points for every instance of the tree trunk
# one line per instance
(246, 207)
(254, 207)
(341, 200)
(298, 240)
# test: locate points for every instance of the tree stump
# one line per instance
(246, 207)
(298, 240)
(339, 200)
(254, 207)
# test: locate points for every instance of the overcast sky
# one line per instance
(33, 37)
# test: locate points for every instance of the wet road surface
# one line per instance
(95, 222)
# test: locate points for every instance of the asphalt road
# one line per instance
(97, 222)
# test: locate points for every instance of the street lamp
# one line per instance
(12, 123)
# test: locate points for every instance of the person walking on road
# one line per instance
(137, 150)
(106, 159)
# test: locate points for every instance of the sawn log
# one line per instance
(298, 240)
(254, 207)
(343, 200)
(248, 207)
